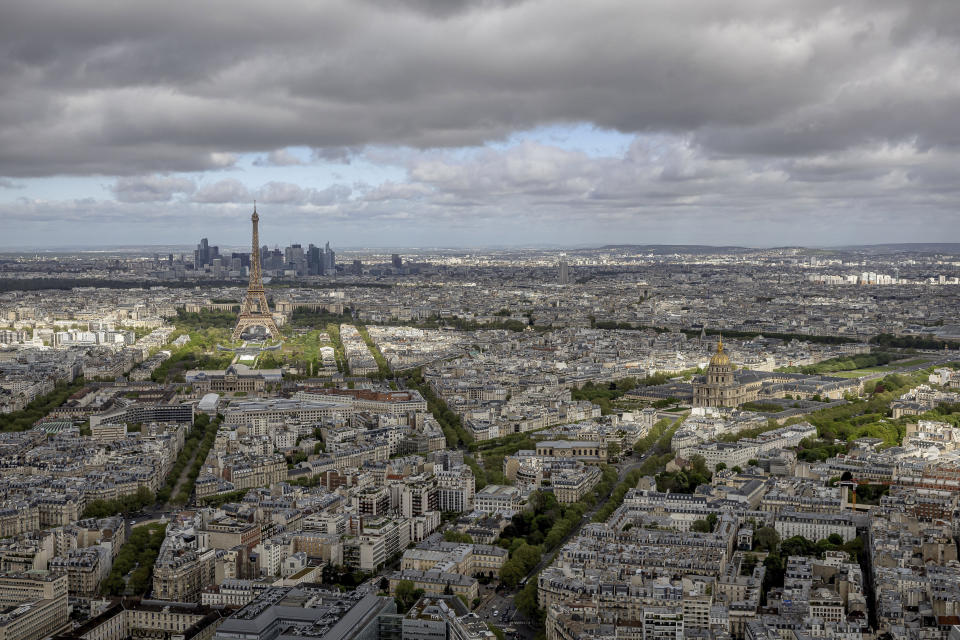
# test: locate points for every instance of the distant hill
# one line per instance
(674, 248)
(904, 247)
(875, 249)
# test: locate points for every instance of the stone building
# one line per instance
(721, 386)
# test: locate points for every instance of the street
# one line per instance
(506, 617)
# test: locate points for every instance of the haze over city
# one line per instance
(480, 123)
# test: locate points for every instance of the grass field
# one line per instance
(305, 346)
(299, 349)
(887, 368)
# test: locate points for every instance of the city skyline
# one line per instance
(757, 124)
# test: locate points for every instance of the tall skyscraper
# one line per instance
(314, 264)
(564, 271)
(205, 254)
(295, 259)
(329, 260)
(397, 261)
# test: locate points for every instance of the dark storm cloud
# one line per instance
(131, 88)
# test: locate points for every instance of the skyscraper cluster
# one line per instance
(312, 261)
(204, 254)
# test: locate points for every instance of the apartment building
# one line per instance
(814, 526)
(495, 498)
(588, 451)
(437, 583)
(35, 605)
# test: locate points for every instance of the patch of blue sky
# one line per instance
(583, 137)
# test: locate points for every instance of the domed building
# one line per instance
(721, 386)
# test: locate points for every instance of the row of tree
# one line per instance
(125, 504)
(867, 417)
(383, 367)
(731, 333)
(657, 440)
(138, 555)
(190, 446)
(913, 342)
(308, 318)
(221, 499)
(39, 407)
(65, 284)
(206, 319)
(186, 489)
(527, 600)
(617, 495)
(449, 421)
(333, 330)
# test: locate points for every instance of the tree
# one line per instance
(705, 525)
(406, 594)
(452, 535)
(797, 546)
(613, 451)
(511, 573)
(720, 466)
(712, 521)
(766, 539)
(753, 462)
(528, 556)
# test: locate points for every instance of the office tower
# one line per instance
(397, 261)
(314, 265)
(295, 259)
(564, 270)
(205, 254)
(329, 263)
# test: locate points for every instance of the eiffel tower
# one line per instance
(255, 312)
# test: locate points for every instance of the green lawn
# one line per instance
(200, 353)
(305, 346)
(887, 368)
(299, 349)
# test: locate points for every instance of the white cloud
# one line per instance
(151, 188)
(228, 190)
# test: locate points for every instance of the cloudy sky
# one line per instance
(478, 123)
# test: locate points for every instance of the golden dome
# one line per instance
(720, 359)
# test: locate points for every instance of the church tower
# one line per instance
(718, 388)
